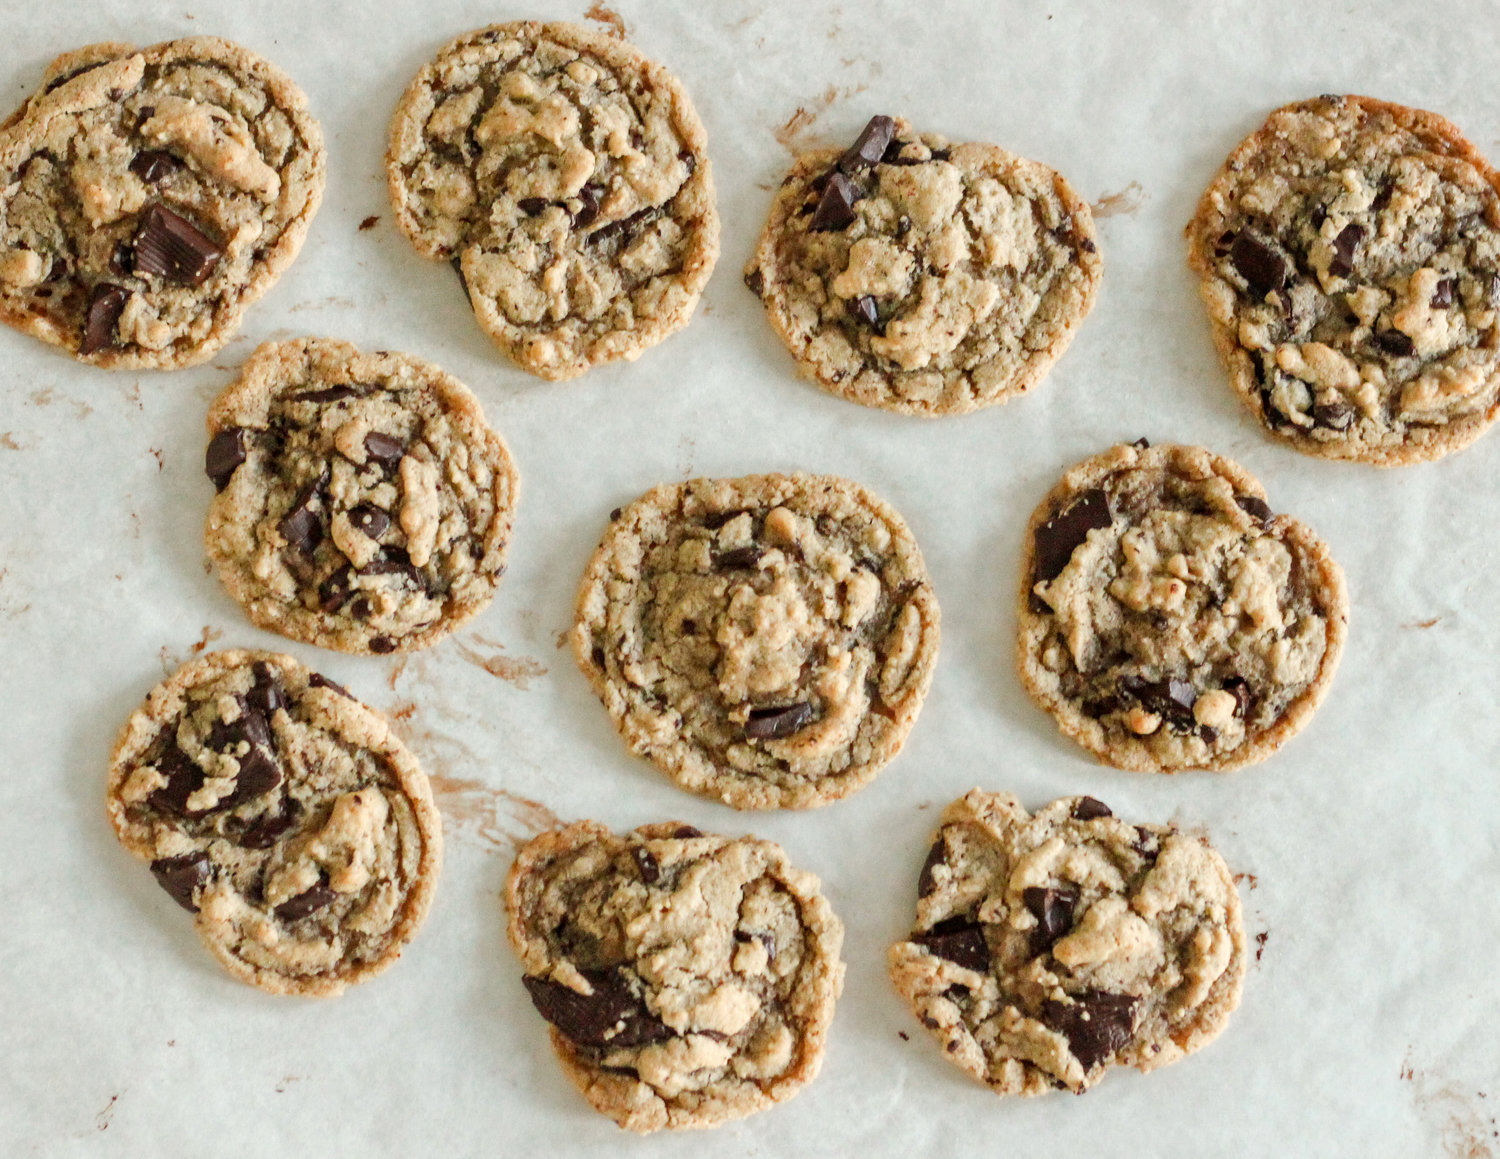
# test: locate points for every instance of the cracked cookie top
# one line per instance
(688, 979)
(148, 196)
(923, 277)
(1050, 948)
(566, 178)
(283, 814)
(766, 640)
(1168, 619)
(363, 503)
(1349, 252)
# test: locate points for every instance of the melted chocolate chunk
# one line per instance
(382, 645)
(1259, 263)
(369, 519)
(329, 394)
(531, 206)
(1239, 688)
(1171, 699)
(1255, 508)
(155, 165)
(1146, 843)
(302, 527)
(1442, 295)
(870, 146)
(775, 723)
(765, 938)
(864, 309)
(625, 226)
(106, 304)
(384, 448)
(171, 247)
(959, 940)
(589, 210)
(184, 778)
(395, 561)
(1060, 536)
(648, 865)
(458, 268)
(1053, 910)
(1341, 265)
(318, 680)
(226, 451)
(182, 876)
(836, 206)
(269, 828)
(307, 903)
(612, 1016)
(266, 695)
(333, 593)
(1395, 342)
(937, 855)
(1096, 1024)
(1337, 415)
(1090, 809)
(740, 557)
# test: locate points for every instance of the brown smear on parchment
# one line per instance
(607, 17)
(1128, 200)
(493, 817)
(208, 637)
(8, 441)
(517, 670)
(1466, 1128)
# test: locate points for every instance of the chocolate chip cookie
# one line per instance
(1170, 620)
(1350, 257)
(688, 979)
(362, 504)
(283, 814)
(1050, 948)
(149, 196)
(923, 277)
(766, 640)
(566, 178)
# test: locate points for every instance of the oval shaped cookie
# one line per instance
(1168, 620)
(918, 276)
(688, 979)
(1050, 948)
(766, 640)
(283, 814)
(148, 196)
(566, 178)
(1349, 252)
(363, 503)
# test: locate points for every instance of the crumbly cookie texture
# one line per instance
(363, 503)
(1349, 252)
(688, 979)
(767, 641)
(1168, 619)
(566, 178)
(1050, 948)
(283, 814)
(923, 277)
(149, 196)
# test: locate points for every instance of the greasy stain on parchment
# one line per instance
(517, 670)
(1128, 200)
(607, 17)
(1467, 1127)
(493, 817)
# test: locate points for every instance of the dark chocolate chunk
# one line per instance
(532, 206)
(106, 304)
(864, 309)
(1341, 265)
(269, 828)
(333, 593)
(1060, 536)
(1255, 508)
(154, 165)
(170, 246)
(384, 448)
(937, 855)
(1171, 699)
(382, 645)
(870, 146)
(1442, 295)
(764, 937)
(774, 723)
(260, 771)
(1090, 809)
(625, 226)
(959, 940)
(1146, 843)
(122, 261)
(1261, 265)
(740, 557)
(1239, 688)
(362, 608)
(650, 869)
(181, 877)
(302, 527)
(684, 832)
(1337, 415)
(755, 282)
(1141, 444)
(589, 210)
(458, 268)
(318, 680)
(307, 903)
(369, 519)
(266, 695)
(1096, 1024)
(836, 206)
(329, 394)
(1053, 910)
(395, 561)
(612, 1016)
(1395, 342)
(689, 160)
(226, 451)
(184, 778)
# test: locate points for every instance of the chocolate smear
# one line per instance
(1096, 1024)
(106, 304)
(775, 723)
(307, 903)
(1258, 263)
(154, 165)
(1053, 910)
(182, 876)
(170, 246)
(1060, 536)
(836, 206)
(226, 451)
(1090, 809)
(612, 1016)
(870, 146)
(959, 940)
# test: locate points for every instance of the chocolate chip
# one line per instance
(648, 865)
(764, 937)
(362, 608)
(1442, 295)
(926, 880)
(959, 940)
(329, 394)
(836, 206)
(1060, 536)
(775, 723)
(1146, 843)
(318, 680)
(170, 246)
(333, 592)
(870, 146)
(687, 158)
(154, 165)
(1141, 444)
(531, 206)
(226, 451)
(306, 904)
(302, 527)
(611, 1016)
(266, 695)
(1261, 265)
(1053, 910)
(1239, 688)
(1337, 415)
(106, 304)
(382, 645)
(625, 226)
(122, 261)
(755, 282)
(1395, 342)
(864, 309)
(184, 778)
(269, 828)
(1171, 699)
(1096, 1024)
(395, 561)
(1090, 809)
(369, 519)
(1255, 508)
(685, 832)
(182, 876)
(739, 558)
(458, 268)
(589, 210)
(384, 448)
(1341, 265)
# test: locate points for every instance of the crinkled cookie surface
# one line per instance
(1049, 948)
(148, 196)
(566, 178)
(923, 277)
(688, 978)
(363, 503)
(765, 640)
(283, 814)
(1168, 619)
(1349, 252)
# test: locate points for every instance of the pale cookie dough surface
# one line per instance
(284, 814)
(1350, 257)
(363, 503)
(936, 278)
(566, 178)
(688, 979)
(149, 196)
(1050, 948)
(1170, 620)
(767, 640)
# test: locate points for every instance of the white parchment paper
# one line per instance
(1369, 1023)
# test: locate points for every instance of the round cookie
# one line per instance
(363, 503)
(689, 979)
(922, 277)
(284, 814)
(767, 641)
(1168, 619)
(566, 178)
(149, 196)
(1349, 252)
(1050, 948)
